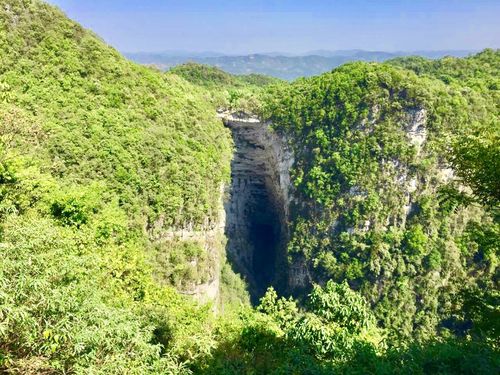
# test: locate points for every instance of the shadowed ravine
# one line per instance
(255, 207)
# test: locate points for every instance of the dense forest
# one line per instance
(112, 181)
(377, 207)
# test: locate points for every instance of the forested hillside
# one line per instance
(97, 155)
(379, 203)
(112, 179)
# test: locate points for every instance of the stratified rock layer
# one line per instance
(257, 204)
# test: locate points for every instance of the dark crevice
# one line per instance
(255, 210)
(265, 238)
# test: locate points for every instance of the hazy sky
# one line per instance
(239, 26)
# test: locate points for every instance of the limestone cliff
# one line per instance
(257, 205)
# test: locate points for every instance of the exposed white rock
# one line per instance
(416, 130)
(366, 225)
(206, 292)
(446, 174)
(298, 275)
(412, 185)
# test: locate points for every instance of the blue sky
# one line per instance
(239, 26)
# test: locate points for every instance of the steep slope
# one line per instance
(477, 153)
(256, 208)
(376, 200)
(350, 188)
(104, 167)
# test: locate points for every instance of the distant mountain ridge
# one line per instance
(278, 64)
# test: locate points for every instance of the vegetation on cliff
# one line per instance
(98, 157)
(101, 159)
(378, 204)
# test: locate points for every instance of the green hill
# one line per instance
(96, 153)
(111, 197)
(205, 75)
(378, 201)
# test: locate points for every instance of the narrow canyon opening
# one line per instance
(255, 207)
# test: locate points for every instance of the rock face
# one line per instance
(204, 287)
(416, 130)
(398, 182)
(257, 204)
(255, 209)
(253, 219)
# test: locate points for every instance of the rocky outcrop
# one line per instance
(257, 207)
(254, 222)
(204, 287)
(415, 129)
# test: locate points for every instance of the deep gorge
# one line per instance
(368, 198)
(257, 205)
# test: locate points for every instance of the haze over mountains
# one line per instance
(279, 64)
